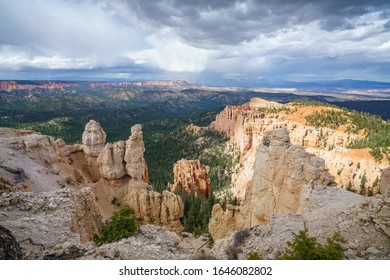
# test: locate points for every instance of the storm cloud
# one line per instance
(242, 39)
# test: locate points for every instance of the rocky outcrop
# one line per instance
(40, 221)
(10, 86)
(111, 160)
(192, 177)
(162, 209)
(124, 158)
(151, 243)
(358, 219)
(385, 182)
(93, 140)
(224, 223)
(298, 193)
(246, 124)
(134, 156)
(281, 189)
(30, 161)
(87, 217)
(9, 247)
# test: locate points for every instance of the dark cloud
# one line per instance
(201, 40)
(209, 22)
(387, 25)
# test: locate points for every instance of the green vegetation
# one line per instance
(377, 131)
(304, 103)
(350, 187)
(253, 256)
(286, 109)
(305, 247)
(197, 213)
(165, 145)
(167, 142)
(121, 225)
(363, 182)
(327, 118)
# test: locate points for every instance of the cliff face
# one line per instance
(291, 188)
(191, 177)
(282, 173)
(246, 125)
(12, 85)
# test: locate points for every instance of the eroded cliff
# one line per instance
(247, 123)
(192, 177)
(291, 188)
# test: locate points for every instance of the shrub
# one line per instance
(253, 256)
(305, 247)
(363, 184)
(122, 224)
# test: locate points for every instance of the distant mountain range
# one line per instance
(322, 86)
(345, 84)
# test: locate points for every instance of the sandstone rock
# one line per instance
(385, 182)
(280, 189)
(93, 139)
(41, 147)
(245, 126)
(115, 160)
(134, 156)
(9, 247)
(37, 228)
(259, 103)
(163, 209)
(151, 243)
(224, 223)
(111, 160)
(191, 177)
(87, 217)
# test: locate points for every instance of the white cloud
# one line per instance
(240, 39)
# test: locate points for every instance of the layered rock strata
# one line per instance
(192, 177)
(124, 175)
(282, 174)
(246, 125)
(291, 189)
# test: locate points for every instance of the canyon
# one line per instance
(53, 193)
(247, 123)
(290, 175)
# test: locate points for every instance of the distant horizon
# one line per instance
(266, 83)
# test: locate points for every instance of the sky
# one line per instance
(203, 41)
